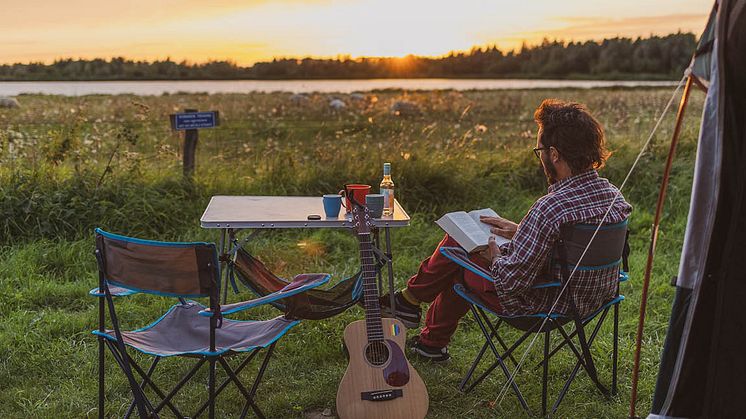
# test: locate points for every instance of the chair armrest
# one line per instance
(114, 290)
(547, 285)
(300, 283)
(623, 276)
(461, 258)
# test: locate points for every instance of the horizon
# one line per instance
(260, 30)
(343, 56)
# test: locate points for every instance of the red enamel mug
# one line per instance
(357, 191)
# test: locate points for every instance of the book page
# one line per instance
(452, 222)
(487, 212)
(463, 229)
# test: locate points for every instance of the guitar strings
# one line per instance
(377, 347)
(376, 351)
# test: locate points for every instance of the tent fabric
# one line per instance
(702, 366)
(701, 62)
(315, 304)
(704, 190)
(182, 331)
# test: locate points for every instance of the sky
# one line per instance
(257, 30)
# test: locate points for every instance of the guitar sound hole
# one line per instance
(377, 353)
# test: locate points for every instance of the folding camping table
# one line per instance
(232, 214)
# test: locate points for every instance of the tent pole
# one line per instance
(653, 240)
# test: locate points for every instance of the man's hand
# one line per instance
(500, 226)
(493, 250)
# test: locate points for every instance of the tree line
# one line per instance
(655, 57)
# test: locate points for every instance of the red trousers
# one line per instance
(433, 284)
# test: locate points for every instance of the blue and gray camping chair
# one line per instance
(188, 329)
(608, 251)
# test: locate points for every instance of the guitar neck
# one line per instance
(373, 325)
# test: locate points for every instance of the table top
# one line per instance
(283, 212)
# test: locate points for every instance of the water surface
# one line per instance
(79, 88)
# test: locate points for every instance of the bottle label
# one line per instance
(387, 193)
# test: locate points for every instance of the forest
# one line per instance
(654, 57)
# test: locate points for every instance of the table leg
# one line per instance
(231, 249)
(390, 268)
(223, 263)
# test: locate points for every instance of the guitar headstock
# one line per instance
(361, 219)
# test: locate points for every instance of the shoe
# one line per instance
(430, 353)
(406, 312)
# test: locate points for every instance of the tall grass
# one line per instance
(68, 165)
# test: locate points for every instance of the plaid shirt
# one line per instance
(582, 198)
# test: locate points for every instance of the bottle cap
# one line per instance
(387, 168)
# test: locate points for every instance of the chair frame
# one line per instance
(144, 406)
(531, 324)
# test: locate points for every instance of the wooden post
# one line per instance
(190, 149)
(191, 121)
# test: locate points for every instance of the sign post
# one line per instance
(190, 121)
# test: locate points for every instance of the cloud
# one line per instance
(583, 28)
(58, 15)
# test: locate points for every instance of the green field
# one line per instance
(70, 164)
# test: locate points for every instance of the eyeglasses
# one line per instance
(537, 151)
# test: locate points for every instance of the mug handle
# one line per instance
(343, 192)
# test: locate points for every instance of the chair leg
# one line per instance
(561, 344)
(263, 368)
(255, 386)
(615, 351)
(225, 383)
(114, 349)
(211, 388)
(101, 354)
(499, 360)
(147, 381)
(143, 384)
(247, 395)
(179, 385)
(473, 367)
(585, 359)
(494, 328)
(578, 363)
(545, 376)
(590, 366)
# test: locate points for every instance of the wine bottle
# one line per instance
(387, 190)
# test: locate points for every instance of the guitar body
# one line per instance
(394, 388)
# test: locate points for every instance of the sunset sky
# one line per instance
(255, 30)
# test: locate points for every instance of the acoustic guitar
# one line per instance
(379, 381)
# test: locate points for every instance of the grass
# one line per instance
(69, 164)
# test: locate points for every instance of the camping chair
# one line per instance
(316, 304)
(609, 250)
(188, 329)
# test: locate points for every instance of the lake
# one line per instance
(79, 88)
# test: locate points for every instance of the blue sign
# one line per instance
(195, 120)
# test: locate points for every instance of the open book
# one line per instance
(467, 230)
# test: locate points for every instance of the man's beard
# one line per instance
(549, 170)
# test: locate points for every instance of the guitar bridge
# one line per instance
(382, 395)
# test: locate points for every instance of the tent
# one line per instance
(703, 364)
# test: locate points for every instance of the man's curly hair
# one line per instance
(574, 132)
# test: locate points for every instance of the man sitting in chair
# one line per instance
(571, 147)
